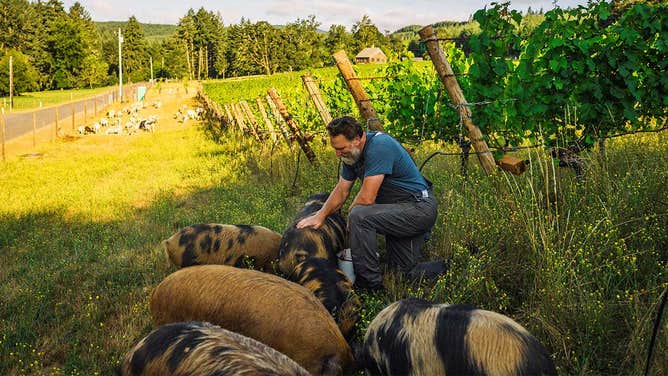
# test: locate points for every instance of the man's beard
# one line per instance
(353, 157)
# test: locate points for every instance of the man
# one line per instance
(395, 200)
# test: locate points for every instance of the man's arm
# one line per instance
(368, 191)
(336, 198)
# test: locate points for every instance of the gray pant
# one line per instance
(404, 226)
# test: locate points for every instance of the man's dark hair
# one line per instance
(345, 125)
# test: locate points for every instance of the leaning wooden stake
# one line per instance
(356, 89)
(279, 120)
(267, 122)
(238, 118)
(314, 93)
(291, 123)
(254, 126)
(230, 118)
(448, 79)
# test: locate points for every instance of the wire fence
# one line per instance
(49, 123)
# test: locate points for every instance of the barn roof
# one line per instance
(369, 52)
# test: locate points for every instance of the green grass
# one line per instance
(580, 263)
(33, 100)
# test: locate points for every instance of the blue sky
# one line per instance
(386, 14)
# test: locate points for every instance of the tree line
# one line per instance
(57, 48)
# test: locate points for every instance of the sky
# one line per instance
(387, 15)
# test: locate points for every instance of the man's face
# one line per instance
(348, 151)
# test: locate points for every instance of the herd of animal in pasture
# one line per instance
(113, 122)
(214, 316)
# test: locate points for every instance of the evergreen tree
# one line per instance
(186, 31)
(16, 24)
(208, 40)
(67, 48)
(135, 59)
(93, 70)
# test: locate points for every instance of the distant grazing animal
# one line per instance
(333, 289)
(416, 337)
(235, 245)
(117, 129)
(299, 244)
(202, 349)
(270, 309)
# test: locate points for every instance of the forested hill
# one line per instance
(152, 32)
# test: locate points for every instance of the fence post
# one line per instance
(279, 120)
(291, 123)
(245, 108)
(56, 126)
(34, 129)
(85, 103)
(448, 79)
(314, 92)
(361, 99)
(3, 123)
(267, 122)
(72, 107)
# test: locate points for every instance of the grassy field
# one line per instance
(580, 262)
(29, 101)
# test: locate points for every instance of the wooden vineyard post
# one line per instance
(291, 123)
(448, 79)
(279, 120)
(357, 91)
(255, 129)
(267, 122)
(314, 93)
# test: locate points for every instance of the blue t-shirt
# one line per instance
(383, 155)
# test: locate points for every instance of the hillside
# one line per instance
(153, 32)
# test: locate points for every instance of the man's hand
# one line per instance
(313, 221)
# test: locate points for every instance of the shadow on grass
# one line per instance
(75, 289)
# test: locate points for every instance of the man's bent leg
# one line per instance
(404, 253)
(364, 247)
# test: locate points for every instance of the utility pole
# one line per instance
(11, 82)
(120, 67)
(151, 57)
